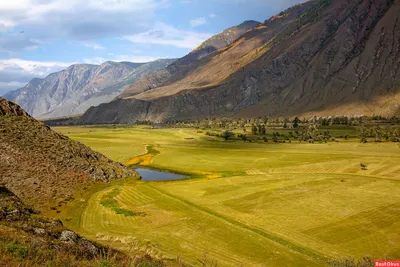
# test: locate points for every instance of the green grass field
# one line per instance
(251, 204)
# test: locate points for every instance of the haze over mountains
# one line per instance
(74, 90)
(321, 57)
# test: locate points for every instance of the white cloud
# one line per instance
(15, 73)
(40, 68)
(212, 15)
(164, 34)
(86, 21)
(198, 21)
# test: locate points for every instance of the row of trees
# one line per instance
(309, 133)
(294, 122)
(379, 133)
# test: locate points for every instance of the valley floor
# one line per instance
(249, 204)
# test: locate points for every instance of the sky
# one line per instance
(39, 37)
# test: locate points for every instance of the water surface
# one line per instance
(150, 175)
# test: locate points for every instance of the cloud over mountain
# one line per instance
(15, 73)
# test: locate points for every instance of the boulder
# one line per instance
(68, 237)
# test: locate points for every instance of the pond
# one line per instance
(150, 175)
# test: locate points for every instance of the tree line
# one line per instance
(295, 122)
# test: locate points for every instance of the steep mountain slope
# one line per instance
(183, 66)
(40, 165)
(106, 92)
(334, 58)
(80, 86)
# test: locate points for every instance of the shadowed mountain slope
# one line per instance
(321, 57)
(40, 165)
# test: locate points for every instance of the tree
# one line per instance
(275, 137)
(363, 132)
(296, 122)
(395, 135)
(244, 137)
(308, 133)
(262, 130)
(254, 129)
(259, 127)
(327, 136)
(378, 133)
(227, 134)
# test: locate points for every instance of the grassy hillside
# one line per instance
(45, 168)
(257, 204)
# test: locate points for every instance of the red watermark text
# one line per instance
(387, 264)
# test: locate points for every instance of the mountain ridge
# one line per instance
(75, 89)
(181, 67)
(309, 67)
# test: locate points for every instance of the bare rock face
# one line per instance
(318, 58)
(74, 90)
(183, 66)
(39, 164)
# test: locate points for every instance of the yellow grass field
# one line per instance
(249, 204)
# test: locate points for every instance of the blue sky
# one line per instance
(38, 37)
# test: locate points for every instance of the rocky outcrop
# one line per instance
(74, 90)
(17, 216)
(330, 58)
(39, 164)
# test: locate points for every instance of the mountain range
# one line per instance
(321, 57)
(74, 90)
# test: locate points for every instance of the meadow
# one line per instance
(248, 204)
